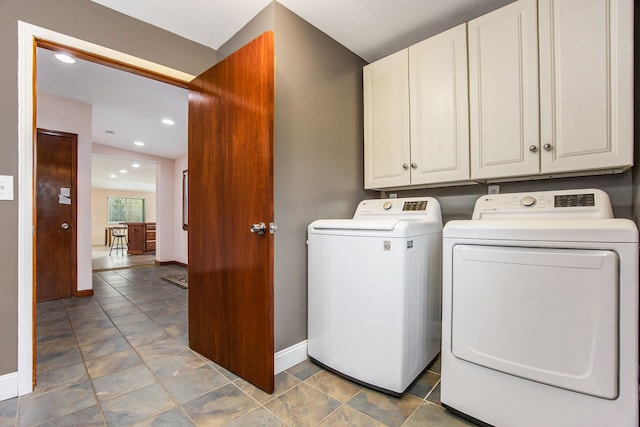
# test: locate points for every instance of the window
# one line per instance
(123, 209)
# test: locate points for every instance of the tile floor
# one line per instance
(121, 358)
(101, 260)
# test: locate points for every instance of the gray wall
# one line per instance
(318, 149)
(88, 21)
(458, 202)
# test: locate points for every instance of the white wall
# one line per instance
(180, 239)
(166, 220)
(61, 114)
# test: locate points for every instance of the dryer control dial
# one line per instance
(387, 206)
(528, 202)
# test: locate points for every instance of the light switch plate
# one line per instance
(6, 187)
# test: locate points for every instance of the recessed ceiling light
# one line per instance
(65, 58)
(113, 176)
(139, 143)
(135, 165)
(168, 122)
(123, 171)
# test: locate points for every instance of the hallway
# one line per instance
(121, 358)
(101, 259)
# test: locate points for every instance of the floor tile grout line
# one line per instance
(84, 362)
(66, 311)
(327, 394)
(426, 398)
(153, 374)
(135, 350)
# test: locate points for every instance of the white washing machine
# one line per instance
(374, 292)
(540, 312)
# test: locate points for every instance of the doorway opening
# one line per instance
(111, 107)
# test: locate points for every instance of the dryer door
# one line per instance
(545, 314)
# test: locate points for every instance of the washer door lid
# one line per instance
(546, 315)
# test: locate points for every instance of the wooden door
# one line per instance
(55, 200)
(231, 119)
(503, 92)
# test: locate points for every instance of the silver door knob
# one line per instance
(546, 147)
(405, 166)
(272, 228)
(414, 165)
(259, 228)
(64, 226)
(533, 148)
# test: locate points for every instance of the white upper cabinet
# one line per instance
(547, 91)
(386, 122)
(586, 81)
(503, 92)
(439, 108)
(416, 129)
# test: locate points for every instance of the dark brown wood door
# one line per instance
(231, 121)
(55, 236)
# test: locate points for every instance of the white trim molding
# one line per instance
(290, 356)
(27, 33)
(8, 386)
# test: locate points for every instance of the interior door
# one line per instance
(231, 116)
(55, 234)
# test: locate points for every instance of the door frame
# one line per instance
(74, 207)
(28, 36)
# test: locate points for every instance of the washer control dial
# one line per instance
(528, 202)
(387, 206)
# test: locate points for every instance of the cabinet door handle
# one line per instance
(533, 148)
(414, 165)
(405, 166)
(547, 147)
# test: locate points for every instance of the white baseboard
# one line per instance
(290, 356)
(8, 386)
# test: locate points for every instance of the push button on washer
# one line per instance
(528, 202)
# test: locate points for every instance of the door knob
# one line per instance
(533, 148)
(259, 228)
(414, 165)
(405, 166)
(547, 147)
(65, 226)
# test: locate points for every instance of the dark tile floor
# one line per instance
(121, 358)
(101, 259)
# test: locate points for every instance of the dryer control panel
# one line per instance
(562, 204)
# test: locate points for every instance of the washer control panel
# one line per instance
(591, 203)
(410, 207)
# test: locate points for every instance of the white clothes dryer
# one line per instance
(540, 312)
(374, 291)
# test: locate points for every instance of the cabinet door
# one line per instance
(503, 92)
(439, 108)
(386, 122)
(586, 81)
